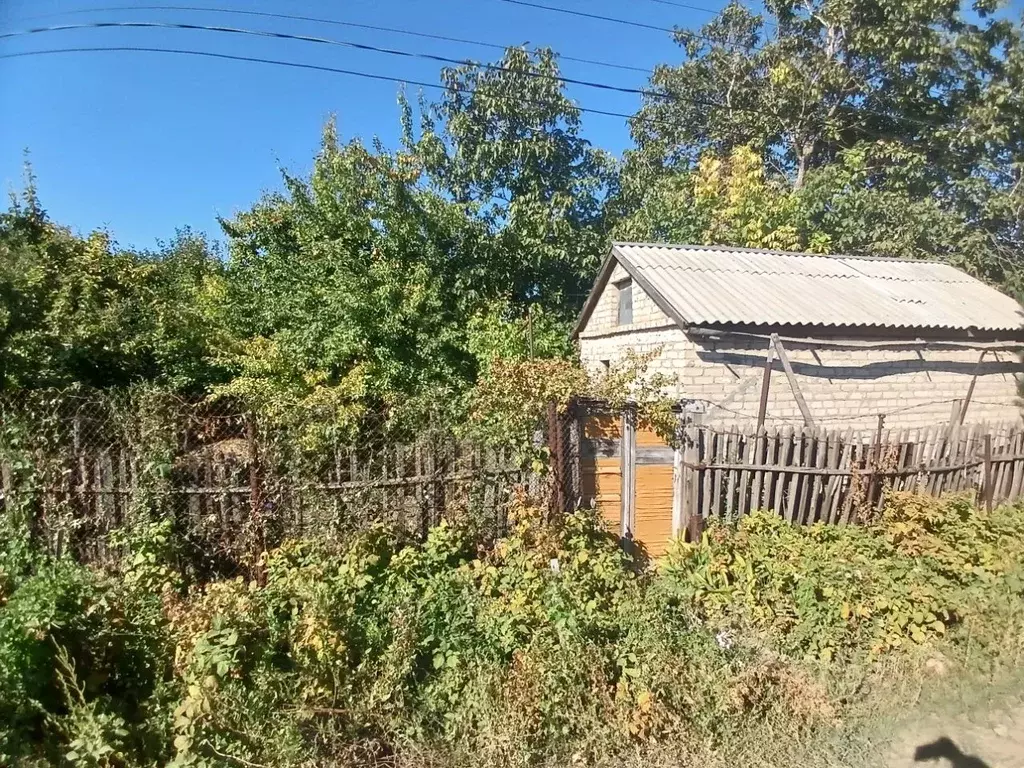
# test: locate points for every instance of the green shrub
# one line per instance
(65, 611)
(820, 590)
(547, 646)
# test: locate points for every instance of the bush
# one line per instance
(549, 646)
(821, 590)
(68, 641)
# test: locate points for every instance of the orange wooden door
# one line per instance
(652, 506)
(601, 466)
(601, 480)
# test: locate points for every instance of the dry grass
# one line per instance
(888, 709)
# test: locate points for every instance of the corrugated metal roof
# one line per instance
(716, 285)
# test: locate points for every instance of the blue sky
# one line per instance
(142, 143)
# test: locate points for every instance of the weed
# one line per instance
(550, 646)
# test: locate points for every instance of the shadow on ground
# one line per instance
(946, 749)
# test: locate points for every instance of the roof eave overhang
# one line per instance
(864, 332)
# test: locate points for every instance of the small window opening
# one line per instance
(625, 316)
(606, 366)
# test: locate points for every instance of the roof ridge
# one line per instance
(768, 252)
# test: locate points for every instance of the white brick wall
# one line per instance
(603, 320)
(850, 386)
(843, 386)
(670, 344)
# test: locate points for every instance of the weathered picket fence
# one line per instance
(79, 468)
(651, 490)
(836, 476)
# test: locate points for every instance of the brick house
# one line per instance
(860, 336)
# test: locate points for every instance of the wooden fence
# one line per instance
(836, 476)
(651, 490)
(234, 487)
(80, 470)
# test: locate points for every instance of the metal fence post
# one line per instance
(439, 465)
(678, 477)
(876, 458)
(573, 455)
(556, 460)
(256, 513)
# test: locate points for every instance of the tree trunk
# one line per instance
(803, 159)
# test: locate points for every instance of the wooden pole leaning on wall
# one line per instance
(766, 381)
(791, 377)
(952, 429)
(970, 387)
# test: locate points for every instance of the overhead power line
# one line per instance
(351, 24)
(687, 7)
(329, 41)
(301, 65)
(665, 97)
(373, 48)
(700, 8)
(631, 23)
(586, 15)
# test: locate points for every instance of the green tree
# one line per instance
(80, 310)
(840, 209)
(505, 141)
(829, 74)
(355, 271)
(390, 279)
(903, 117)
(725, 201)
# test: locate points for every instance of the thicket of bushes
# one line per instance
(551, 645)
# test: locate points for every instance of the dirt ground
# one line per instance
(987, 737)
(959, 721)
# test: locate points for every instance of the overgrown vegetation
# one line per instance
(550, 646)
(434, 284)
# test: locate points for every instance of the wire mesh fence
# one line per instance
(81, 465)
(78, 466)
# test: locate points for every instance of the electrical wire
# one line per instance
(418, 55)
(585, 15)
(687, 7)
(329, 41)
(389, 51)
(316, 20)
(701, 9)
(291, 64)
(664, 97)
(630, 23)
(697, 36)
(712, 41)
